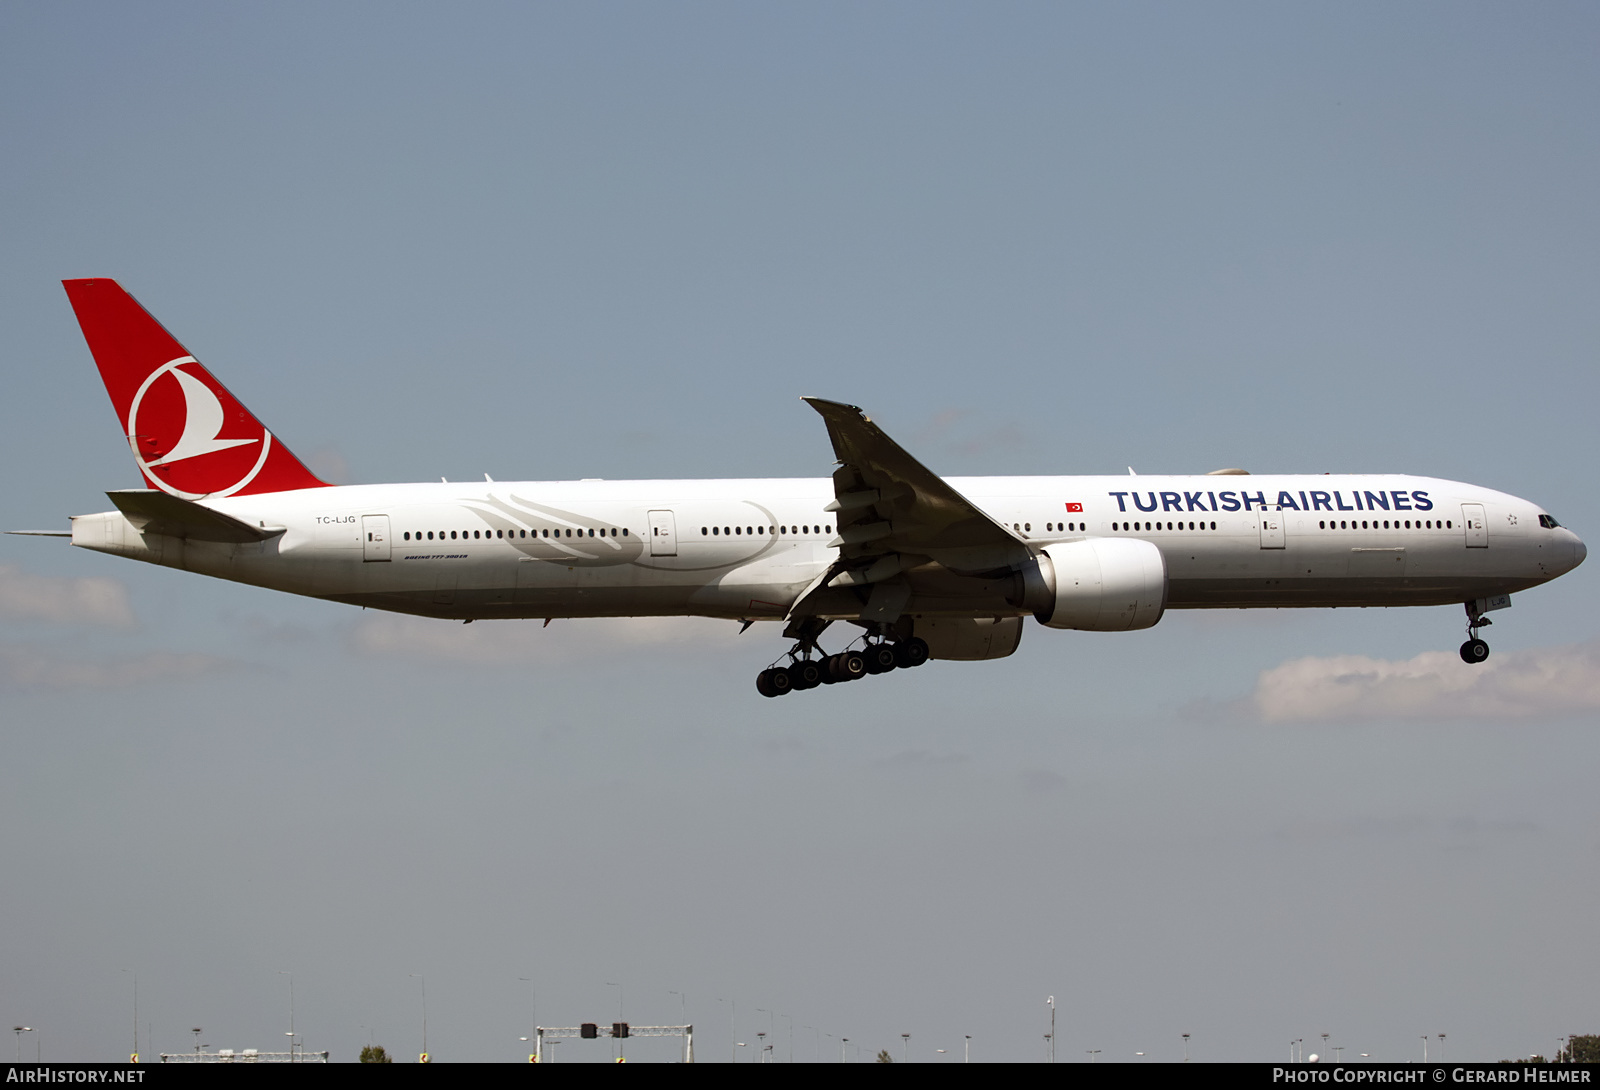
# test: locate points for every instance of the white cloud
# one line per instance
(25, 667)
(497, 642)
(1537, 683)
(98, 601)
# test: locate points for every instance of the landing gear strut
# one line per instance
(1475, 650)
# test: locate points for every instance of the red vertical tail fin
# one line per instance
(189, 435)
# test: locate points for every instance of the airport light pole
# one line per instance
(290, 975)
(1052, 1038)
(19, 1031)
(1185, 1048)
(135, 1054)
(424, 980)
(733, 1034)
(533, 1011)
(614, 984)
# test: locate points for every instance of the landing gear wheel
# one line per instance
(1474, 651)
(805, 674)
(912, 652)
(880, 658)
(847, 666)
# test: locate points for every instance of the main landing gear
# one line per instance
(1475, 650)
(805, 672)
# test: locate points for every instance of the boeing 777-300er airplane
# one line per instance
(923, 566)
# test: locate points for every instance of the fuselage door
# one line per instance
(1271, 521)
(374, 537)
(663, 534)
(1476, 525)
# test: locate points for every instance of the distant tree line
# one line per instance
(1581, 1049)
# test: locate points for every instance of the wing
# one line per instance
(894, 516)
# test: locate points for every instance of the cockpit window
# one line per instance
(1548, 522)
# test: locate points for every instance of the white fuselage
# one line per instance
(747, 549)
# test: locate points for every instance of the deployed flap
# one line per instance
(888, 503)
(160, 513)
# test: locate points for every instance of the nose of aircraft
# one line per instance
(1579, 550)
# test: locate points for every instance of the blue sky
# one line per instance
(622, 240)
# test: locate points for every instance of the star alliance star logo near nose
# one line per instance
(203, 421)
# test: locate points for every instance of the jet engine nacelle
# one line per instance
(1099, 584)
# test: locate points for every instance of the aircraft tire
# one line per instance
(1474, 652)
(847, 666)
(805, 674)
(881, 658)
(912, 652)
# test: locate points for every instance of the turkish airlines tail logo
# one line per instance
(189, 435)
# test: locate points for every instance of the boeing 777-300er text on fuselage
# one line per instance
(924, 566)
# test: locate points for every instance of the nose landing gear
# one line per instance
(1475, 650)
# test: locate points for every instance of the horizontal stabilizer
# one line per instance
(160, 513)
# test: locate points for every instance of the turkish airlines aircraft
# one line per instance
(923, 566)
